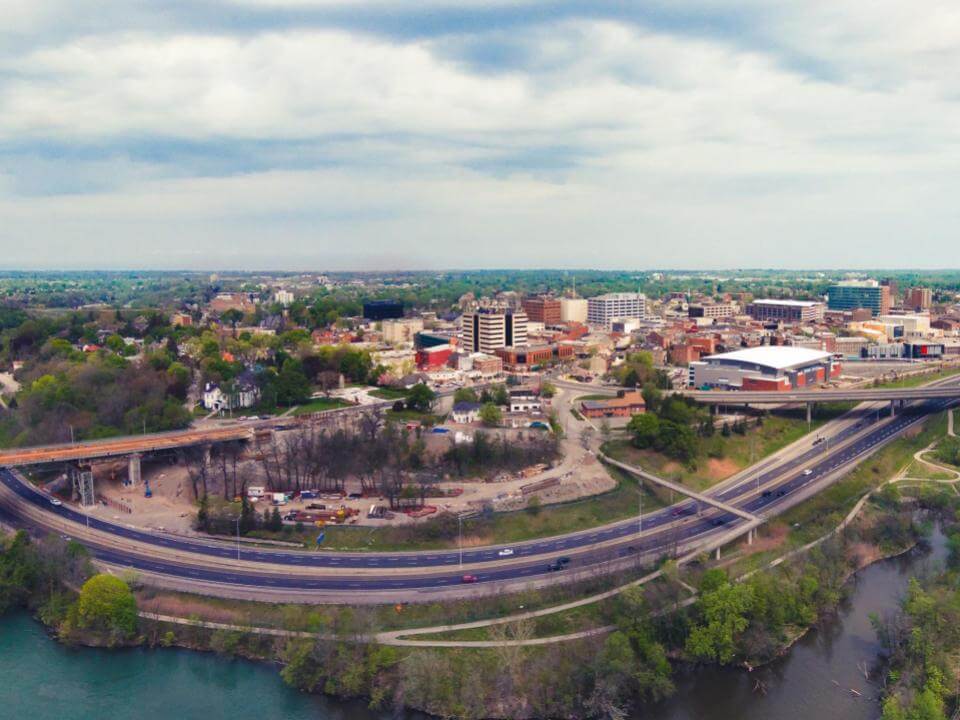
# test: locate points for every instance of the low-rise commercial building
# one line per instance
(711, 310)
(786, 311)
(401, 330)
(626, 404)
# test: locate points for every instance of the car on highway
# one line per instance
(563, 560)
(807, 472)
(781, 493)
(766, 493)
(468, 579)
(717, 522)
(56, 502)
(555, 566)
(506, 552)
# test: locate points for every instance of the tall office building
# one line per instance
(853, 294)
(601, 310)
(918, 299)
(488, 329)
(542, 309)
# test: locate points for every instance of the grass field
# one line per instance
(917, 380)
(390, 393)
(321, 404)
(726, 456)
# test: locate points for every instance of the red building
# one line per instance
(542, 309)
(432, 358)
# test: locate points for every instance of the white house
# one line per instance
(242, 393)
(525, 400)
(465, 413)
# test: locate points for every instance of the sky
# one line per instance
(427, 134)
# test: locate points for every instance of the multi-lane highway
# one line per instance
(750, 397)
(773, 486)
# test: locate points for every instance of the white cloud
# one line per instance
(660, 147)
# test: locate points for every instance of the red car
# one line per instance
(469, 579)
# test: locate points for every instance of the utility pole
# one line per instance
(640, 508)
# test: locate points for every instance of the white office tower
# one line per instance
(486, 330)
(603, 309)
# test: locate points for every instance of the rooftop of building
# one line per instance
(619, 296)
(789, 303)
(779, 357)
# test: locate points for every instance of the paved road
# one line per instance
(741, 397)
(768, 492)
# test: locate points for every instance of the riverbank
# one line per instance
(574, 679)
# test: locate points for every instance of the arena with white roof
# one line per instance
(764, 368)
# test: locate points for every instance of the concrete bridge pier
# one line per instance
(718, 554)
(893, 408)
(750, 537)
(809, 414)
(133, 469)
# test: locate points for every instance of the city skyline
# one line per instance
(336, 135)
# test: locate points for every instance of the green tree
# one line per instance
(106, 604)
(724, 616)
(490, 414)
(645, 428)
(465, 394)
(276, 522)
(421, 398)
(292, 386)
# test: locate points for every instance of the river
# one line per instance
(40, 679)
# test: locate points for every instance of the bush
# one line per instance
(107, 605)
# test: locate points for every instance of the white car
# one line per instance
(56, 502)
(808, 471)
(506, 552)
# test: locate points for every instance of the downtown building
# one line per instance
(542, 309)
(486, 330)
(786, 311)
(859, 294)
(603, 309)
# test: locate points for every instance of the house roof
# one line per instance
(462, 407)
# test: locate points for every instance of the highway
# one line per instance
(741, 397)
(772, 488)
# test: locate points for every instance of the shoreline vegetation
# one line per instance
(731, 623)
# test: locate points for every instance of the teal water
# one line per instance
(40, 679)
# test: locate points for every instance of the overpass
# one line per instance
(132, 445)
(750, 397)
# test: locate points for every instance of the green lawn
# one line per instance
(413, 416)
(722, 456)
(917, 380)
(321, 404)
(390, 393)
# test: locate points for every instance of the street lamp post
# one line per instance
(460, 538)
